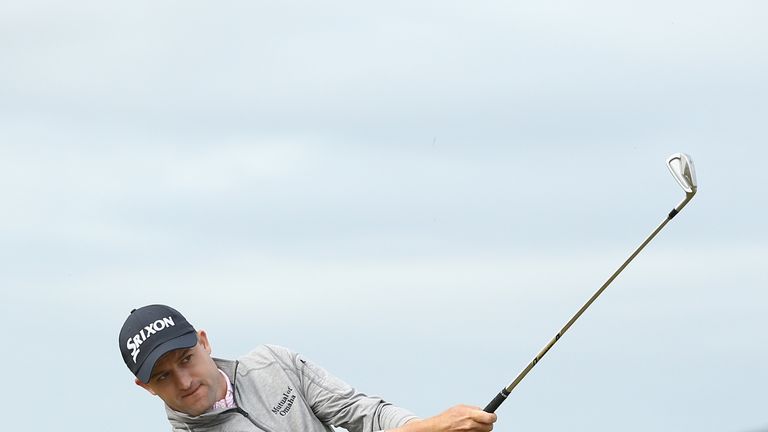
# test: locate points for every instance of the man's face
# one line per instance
(187, 380)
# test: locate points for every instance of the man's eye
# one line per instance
(187, 359)
(162, 377)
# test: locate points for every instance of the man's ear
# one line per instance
(202, 339)
(144, 386)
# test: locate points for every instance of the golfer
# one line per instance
(270, 389)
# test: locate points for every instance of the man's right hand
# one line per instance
(461, 418)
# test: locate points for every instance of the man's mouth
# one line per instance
(192, 392)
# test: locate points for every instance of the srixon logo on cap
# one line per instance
(145, 333)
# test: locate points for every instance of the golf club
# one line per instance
(681, 166)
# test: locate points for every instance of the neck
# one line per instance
(223, 385)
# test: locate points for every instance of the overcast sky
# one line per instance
(416, 195)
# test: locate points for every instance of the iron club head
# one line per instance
(681, 167)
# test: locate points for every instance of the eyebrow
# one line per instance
(181, 354)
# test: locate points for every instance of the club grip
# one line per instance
(497, 401)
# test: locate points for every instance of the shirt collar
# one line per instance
(229, 398)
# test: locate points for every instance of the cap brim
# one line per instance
(187, 340)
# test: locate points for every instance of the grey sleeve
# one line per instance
(337, 403)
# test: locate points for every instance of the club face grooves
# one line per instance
(682, 169)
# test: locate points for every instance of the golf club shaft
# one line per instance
(502, 396)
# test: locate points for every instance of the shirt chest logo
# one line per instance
(285, 404)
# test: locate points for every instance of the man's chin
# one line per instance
(194, 408)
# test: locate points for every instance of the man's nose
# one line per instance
(183, 380)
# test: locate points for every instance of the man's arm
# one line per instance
(459, 418)
(337, 403)
(334, 402)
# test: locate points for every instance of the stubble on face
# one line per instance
(187, 380)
